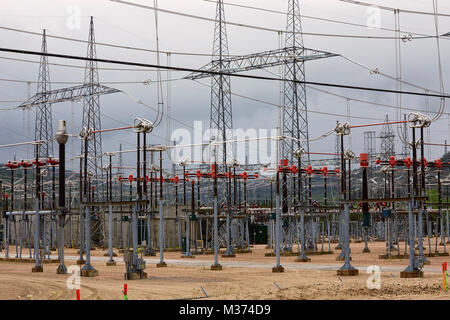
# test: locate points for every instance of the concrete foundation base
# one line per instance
(348, 273)
(161, 265)
(28, 260)
(60, 271)
(302, 260)
(279, 269)
(392, 256)
(37, 269)
(217, 267)
(411, 274)
(342, 258)
(106, 254)
(81, 262)
(188, 257)
(318, 252)
(111, 263)
(135, 276)
(443, 254)
(89, 273)
(366, 250)
(232, 255)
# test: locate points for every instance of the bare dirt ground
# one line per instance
(248, 276)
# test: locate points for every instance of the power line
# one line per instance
(190, 70)
(256, 27)
(276, 105)
(365, 4)
(314, 18)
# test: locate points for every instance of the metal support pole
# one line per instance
(88, 270)
(216, 265)
(111, 261)
(61, 138)
(278, 267)
(38, 265)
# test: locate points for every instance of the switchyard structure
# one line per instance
(211, 208)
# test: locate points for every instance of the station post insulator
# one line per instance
(141, 125)
(176, 179)
(349, 154)
(309, 170)
(300, 152)
(378, 161)
(106, 167)
(392, 161)
(119, 179)
(245, 175)
(408, 162)
(342, 129)
(417, 143)
(438, 163)
(184, 162)
(294, 169)
(83, 134)
(324, 171)
(364, 160)
(418, 120)
(130, 178)
(198, 174)
(61, 134)
(234, 163)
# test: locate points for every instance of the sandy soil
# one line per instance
(248, 276)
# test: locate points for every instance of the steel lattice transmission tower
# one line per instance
(221, 113)
(295, 113)
(91, 114)
(387, 146)
(44, 118)
(370, 143)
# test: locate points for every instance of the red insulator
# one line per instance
(294, 169)
(408, 162)
(130, 178)
(438, 163)
(176, 179)
(392, 161)
(256, 175)
(198, 174)
(309, 170)
(324, 170)
(378, 161)
(245, 175)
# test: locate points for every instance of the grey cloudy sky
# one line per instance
(120, 24)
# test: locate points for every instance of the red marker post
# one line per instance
(78, 294)
(125, 292)
(444, 275)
